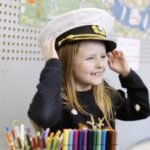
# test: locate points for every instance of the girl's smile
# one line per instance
(97, 74)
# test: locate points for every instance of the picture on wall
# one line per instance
(132, 17)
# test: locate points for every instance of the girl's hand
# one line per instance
(48, 49)
(118, 63)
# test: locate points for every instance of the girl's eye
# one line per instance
(89, 58)
(103, 56)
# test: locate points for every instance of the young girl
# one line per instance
(72, 92)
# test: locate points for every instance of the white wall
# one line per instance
(20, 65)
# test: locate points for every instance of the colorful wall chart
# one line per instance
(132, 17)
(37, 13)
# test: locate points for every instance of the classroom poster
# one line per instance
(131, 49)
(132, 17)
(37, 13)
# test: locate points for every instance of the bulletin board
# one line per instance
(132, 17)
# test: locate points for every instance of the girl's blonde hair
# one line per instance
(101, 92)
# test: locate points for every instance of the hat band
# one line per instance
(81, 37)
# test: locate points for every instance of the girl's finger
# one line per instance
(110, 63)
(115, 53)
(53, 43)
(118, 52)
(121, 53)
(49, 44)
(43, 50)
(109, 55)
(45, 45)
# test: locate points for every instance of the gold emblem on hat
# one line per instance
(99, 30)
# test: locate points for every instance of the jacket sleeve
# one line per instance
(46, 107)
(134, 104)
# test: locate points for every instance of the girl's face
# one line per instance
(89, 65)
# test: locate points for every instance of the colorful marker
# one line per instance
(84, 144)
(57, 140)
(75, 139)
(51, 135)
(58, 133)
(61, 141)
(52, 144)
(22, 134)
(39, 145)
(43, 135)
(103, 142)
(70, 145)
(98, 140)
(29, 142)
(11, 144)
(17, 131)
(47, 132)
(7, 129)
(80, 139)
(13, 134)
(108, 139)
(89, 140)
(43, 144)
(47, 143)
(29, 133)
(20, 147)
(34, 143)
(94, 134)
(113, 136)
(66, 139)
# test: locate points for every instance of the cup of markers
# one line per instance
(71, 139)
(90, 139)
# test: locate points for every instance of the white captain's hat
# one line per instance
(78, 25)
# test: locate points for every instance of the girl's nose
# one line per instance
(99, 63)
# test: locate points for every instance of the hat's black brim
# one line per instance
(110, 45)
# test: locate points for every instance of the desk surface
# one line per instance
(142, 146)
